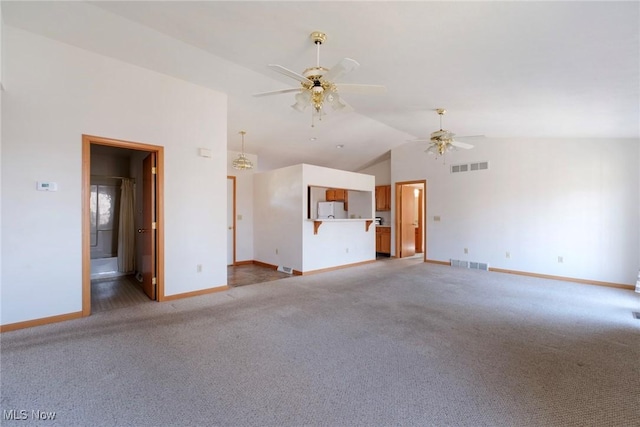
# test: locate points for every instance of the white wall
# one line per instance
(244, 205)
(337, 242)
(1, 102)
(54, 94)
(540, 199)
(281, 224)
(381, 170)
(278, 219)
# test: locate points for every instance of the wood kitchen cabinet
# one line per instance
(383, 198)
(383, 240)
(338, 195)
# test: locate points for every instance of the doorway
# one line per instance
(410, 219)
(140, 242)
(231, 221)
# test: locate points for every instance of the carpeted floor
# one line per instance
(398, 342)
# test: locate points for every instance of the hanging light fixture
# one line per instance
(242, 162)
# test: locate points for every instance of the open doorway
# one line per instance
(122, 232)
(410, 219)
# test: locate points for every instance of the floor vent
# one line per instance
(636, 314)
(478, 166)
(469, 264)
(284, 269)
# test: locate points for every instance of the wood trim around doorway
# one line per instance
(234, 225)
(87, 140)
(397, 188)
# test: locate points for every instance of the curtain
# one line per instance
(126, 229)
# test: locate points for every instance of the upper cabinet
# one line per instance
(338, 195)
(383, 198)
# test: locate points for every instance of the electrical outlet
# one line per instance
(276, 251)
(199, 268)
(466, 250)
(560, 259)
(347, 250)
(508, 255)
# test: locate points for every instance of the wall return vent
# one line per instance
(473, 265)
(467, 167)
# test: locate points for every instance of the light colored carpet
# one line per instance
(397, 342)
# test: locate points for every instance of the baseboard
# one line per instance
(40, 322)
(433, 261)
(339, 267)
(563, 278)
(195, 293)
(249, 262)
(548, 276)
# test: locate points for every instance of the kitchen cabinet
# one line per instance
(383, 240)
(338, 195)
(383, 198)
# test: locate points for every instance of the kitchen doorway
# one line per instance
(144, 232)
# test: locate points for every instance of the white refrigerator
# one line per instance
(331, 210)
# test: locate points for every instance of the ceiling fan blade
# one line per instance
(276, 92)
(459, 144)
(361, 89)
(287, 72)
(346, 65)
(470, 137)
(419, 140)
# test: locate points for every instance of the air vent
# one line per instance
(466, 167)
(284, 269)
(473, 265)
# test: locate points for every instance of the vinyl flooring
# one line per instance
(118, 292)
(241, 275)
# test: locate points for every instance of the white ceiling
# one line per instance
(502, 69)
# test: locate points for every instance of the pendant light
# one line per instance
(242, 162)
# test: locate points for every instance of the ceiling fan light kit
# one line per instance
(242, 162)
(317, 83)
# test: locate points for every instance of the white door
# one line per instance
(231, 214)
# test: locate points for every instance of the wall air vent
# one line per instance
(473, 265)
(467, 167)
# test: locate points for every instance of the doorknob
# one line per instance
(230, 228)
(142, 230)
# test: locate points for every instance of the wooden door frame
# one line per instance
(233, 178)
(87, 140)
(422, 212)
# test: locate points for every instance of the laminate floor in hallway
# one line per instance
(249, 274)
(118, 292)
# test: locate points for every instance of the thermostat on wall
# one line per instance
(47, 186)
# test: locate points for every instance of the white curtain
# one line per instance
(126, 230)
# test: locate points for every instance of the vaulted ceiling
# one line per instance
(502, 69)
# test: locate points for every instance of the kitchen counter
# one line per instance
(318, 222)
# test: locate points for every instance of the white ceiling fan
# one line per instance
(443, 140)
(318, 84)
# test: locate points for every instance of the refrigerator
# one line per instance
(331, 210)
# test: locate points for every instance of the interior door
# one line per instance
(149, 226)
(231, 213)
(407, 223)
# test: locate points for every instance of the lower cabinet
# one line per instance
(383, 240)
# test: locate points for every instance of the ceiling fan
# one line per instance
(318, 85)
(442, 140)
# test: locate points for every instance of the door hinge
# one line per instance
(153, 225)
(153, 281)
(153, 170)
